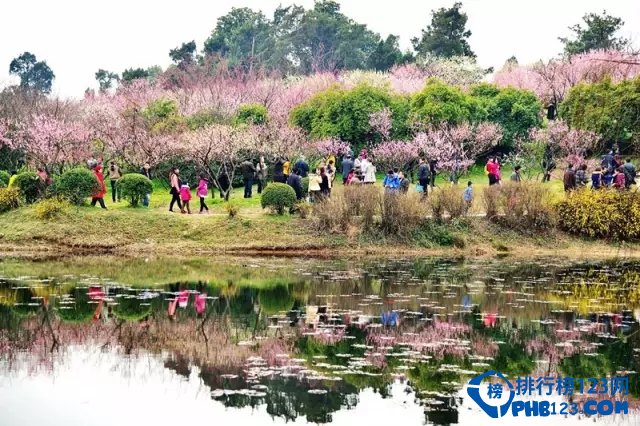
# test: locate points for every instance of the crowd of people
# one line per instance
(612, 173)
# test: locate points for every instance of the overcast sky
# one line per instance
(77, 37)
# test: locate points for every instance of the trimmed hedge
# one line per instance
(278, 197)
(134, 187)
(29, 185)
(76, 185)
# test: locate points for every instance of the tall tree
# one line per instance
(599, 33)
(446, 35)
(106, 79)
(34, 74)
(184, 55)
(386, 54)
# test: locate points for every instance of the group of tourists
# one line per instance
(612, 173)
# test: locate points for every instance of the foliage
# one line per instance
(440, 103)
(76, 185)
(346, 114)
(252, 114)
(232, 209)
(515, 110)
(401, 214)
(303, 209)
(599, 33)
(34, 75)
(162, 116)
(387, 54)
(528, 155)
(134, 187)
(106, 79)
(605, 213)
(184, 55)
(447, 200)
(9, 199)
(29, 186)
(446, 35)
(49, 208)
(4, 178)
(606, 108)
(131, 74)
(572, 144)
(278, 197)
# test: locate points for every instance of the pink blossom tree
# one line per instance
(572, 145)
(392, 154)
(381, 122)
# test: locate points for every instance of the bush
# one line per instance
(332, 214)
(231, 209)
(401, 213)
(49, 208)
(252, 114)
(447, 200)
(303, 208)
(4, 178)
(76, 185)
(523, 207)
(363, 201)
(134, 187)
(9, 199)
(29, 185)
(305, 185)
(278, 197)
(605, 214)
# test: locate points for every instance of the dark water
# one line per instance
(273, 341)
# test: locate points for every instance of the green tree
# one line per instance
(386, 54)
(131, 74)
(440, 103)
(184, 55)
(106, 79)
(446, 35)
(34, 74)
(599, 33)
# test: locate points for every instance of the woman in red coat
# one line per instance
(98, 196)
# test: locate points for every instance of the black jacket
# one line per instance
(295, 182)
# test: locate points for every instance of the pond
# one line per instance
(109, 341)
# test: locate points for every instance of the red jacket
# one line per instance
(102, 189)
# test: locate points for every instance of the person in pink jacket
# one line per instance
(203, 191)
(185, 196)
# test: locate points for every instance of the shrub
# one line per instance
(134, 187)
(9, 199)
(522, 207)
(447, 200)
(401, 213)
(332, 214)
(49, 208)
(278, 197)
(252, 114)
(76, 185)
(363, 201)
(4, 178)
(303, 208)
(29, 186)
(305, 185)
(232, 209)
(606, 214)
(431, 234)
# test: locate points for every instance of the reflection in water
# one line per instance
(318, 340)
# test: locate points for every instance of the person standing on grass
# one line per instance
(185, 196)
(467, 195)
(433, 171)
(516, 176)
(325, 186)
(403, 183)
(286, 168)
(224, 184)
(368, 171)
(203, 191)
(261, 174)
(596, 178)
(146, 172)
(295, 181)
(98, 196)
(347, 166)
(278, 171)
(114, 177)
(581, 176)
(569, 179)
(315, 181)
(630, 173)
(174, 181)
(248, 173)
(492, 171)
(423, 177)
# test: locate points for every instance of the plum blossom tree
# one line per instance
(391, 154)
(573, 145)
(381, 122)
(456, 148)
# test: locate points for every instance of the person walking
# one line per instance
(145, 171)
(325, 186)
(423, 177)
(261, 174)
(185, 196)
(174, 181)
(98, 196)
(248, 173)
(314, 187)
(569, 179)
(467, 195)
(368, 171)
(114, 177)
(347, 166)
(433, 172)
(203, 191)
(492, 171)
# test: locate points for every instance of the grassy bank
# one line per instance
(130, 231)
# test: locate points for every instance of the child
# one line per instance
(619, 179)
(202, 191)
(467, 196)
(596, 178)
(185, 196)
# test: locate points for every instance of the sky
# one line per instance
(77, 37)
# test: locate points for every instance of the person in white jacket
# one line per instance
(368, 171)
